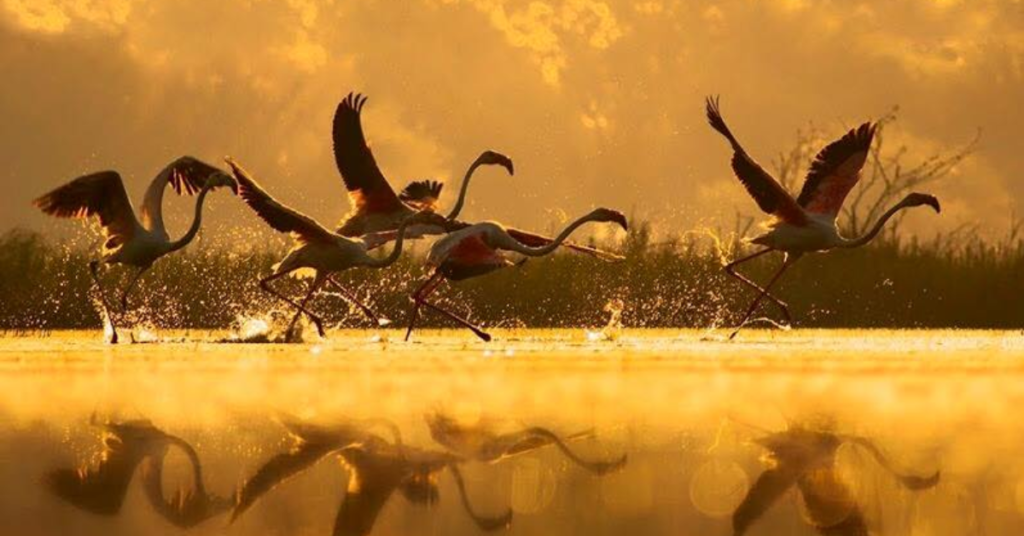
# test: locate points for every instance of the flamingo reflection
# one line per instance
(128, 446)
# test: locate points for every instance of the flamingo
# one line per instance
(130, 241)
(316, 247)
(808, 223)
(375, 205)
(481, 443)
(475, 250)
(311, 442)
(377, 470)
(127, 445)
(378, 210)
(805, 458)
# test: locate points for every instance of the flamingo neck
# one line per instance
(190, 235)
(879, 225)
(516, 246)
(395, 252)
(462, 190)
(193, 457)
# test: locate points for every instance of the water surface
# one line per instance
(690, 410)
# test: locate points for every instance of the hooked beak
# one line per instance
(621, 220)
(494, 158)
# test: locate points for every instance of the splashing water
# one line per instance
(145, 334)
(265, 328)
(722, 250)
(613, 329)
(253, 329)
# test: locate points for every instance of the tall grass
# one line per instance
(678, 283)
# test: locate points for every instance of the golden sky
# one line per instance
(598, 103)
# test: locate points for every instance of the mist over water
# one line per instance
(690, 411)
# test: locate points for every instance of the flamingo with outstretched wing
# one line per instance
(807, 223)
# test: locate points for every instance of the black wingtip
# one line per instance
(714, 115)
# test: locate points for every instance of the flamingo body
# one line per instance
(818, 234)
(470, 252)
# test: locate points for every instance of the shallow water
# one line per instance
(687, 408)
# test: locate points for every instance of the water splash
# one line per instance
(268, 328)
(613, 329)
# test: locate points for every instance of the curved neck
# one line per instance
(463, 189)
(870, 235)
(515, 245)
(395, 253)
(196, 222)
(193, 458)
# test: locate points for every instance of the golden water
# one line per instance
(685, 406)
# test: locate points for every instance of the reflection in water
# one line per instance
(481, 443)
(378, 468)
(807, 458)
(101, 489)
(670, 401)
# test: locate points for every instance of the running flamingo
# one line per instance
(324, 251)
(376, 208)
(476, 250)
(130, 241)
(808, 223)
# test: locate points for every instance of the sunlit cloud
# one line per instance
(587, 96)
(56, 16)
(543, 27)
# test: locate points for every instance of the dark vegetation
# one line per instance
(956, 280)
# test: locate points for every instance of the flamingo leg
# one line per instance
(424, 290)
(753, 306)
(466, 323)
(731, 270)
(265, 285)
(130, 287)
(377, 319)
(314, 286)
(94, 270)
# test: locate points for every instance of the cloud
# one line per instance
(598, 102)
(57, 16)
(543, 27)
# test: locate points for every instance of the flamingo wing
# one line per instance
(101, 194)
(278, 216)
(770, 486)
(422, 195)
(770, 196)
(101, 488)
(278, 469)
(186, 175)
(835, 171)
(367, 188)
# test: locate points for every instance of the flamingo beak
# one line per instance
(934, 203)
(494, 158)
(621, 220)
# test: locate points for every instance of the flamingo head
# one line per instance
(494, 158)
(609, 215)
(915, 200)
